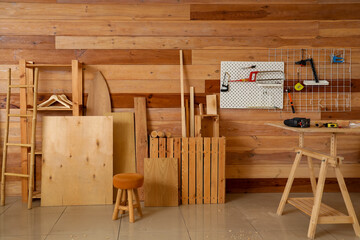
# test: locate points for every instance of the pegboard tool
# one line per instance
(317, 82)
(336, 59)
(291, 102)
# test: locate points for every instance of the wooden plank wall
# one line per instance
(135, 45)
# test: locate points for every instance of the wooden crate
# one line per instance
(201, 166)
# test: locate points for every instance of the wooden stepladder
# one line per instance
(23, 88)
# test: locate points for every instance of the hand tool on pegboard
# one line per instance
(303, 63)
(298, 86)
(291, 102)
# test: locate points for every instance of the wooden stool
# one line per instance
(127, 185)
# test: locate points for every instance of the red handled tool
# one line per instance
(291, 102)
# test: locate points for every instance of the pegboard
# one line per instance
(252, 94)
(335, 97)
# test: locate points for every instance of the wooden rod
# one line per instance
(192, 113)
(183, 121)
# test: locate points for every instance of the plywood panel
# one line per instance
(124, 142)
(83, 11)
(77, 161)
(161, 182)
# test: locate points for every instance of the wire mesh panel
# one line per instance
(265, 93)
(332, 65)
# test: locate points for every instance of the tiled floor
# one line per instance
(244, 216)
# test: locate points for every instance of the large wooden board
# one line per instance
(77, 161)
(124, 142)
(161, 182)
(99, 101)
(142, 150)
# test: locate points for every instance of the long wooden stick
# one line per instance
(192, 117)
(183, 123)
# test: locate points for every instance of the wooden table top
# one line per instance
(313, 129)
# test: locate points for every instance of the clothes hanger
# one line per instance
(53, 99)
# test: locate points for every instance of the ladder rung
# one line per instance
(21, 86)
(16, 174)
(20, 115)
(19, 144)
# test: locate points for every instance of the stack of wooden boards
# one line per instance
(201, 168)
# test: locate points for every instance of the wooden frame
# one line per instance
(27, 77)
(207, 126)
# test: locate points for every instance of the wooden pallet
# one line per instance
(201, 166)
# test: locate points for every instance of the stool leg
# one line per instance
(123, 200)
(131, 207)
(138, 202)
(117, 203)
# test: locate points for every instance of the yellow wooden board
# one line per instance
(77, 161)
(161, 182)
(124, 142)
(99, 101)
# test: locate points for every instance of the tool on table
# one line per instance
(303, 63)
(297, 122)
(327, 125)
(337, 59)
(291, 102)
(298, 86)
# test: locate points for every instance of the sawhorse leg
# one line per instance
(317, 199)
(289, 183)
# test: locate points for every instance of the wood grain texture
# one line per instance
(141, 137)
(161, 182)
(81, 147)
(83, 11)
(124, 142)
(274, 11)
(80, 42)
(98, 101)
(159, 28)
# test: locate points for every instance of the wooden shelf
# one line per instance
(306, 204)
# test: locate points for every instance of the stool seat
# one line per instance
(128, 180)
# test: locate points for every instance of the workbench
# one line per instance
(319, 212)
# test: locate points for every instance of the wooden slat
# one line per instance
(207, 170)
(177, 155)
(274, 11)
(199, 170)
(158, 28)
(170, 147)
(221, 177)
(71, 42)
(154, 147)
(141, 136)
(27, 42)
(162, 147)
(82, 11)
(185, 171)
(192, 171)
(214, 169)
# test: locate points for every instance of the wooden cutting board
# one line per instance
(99, 101)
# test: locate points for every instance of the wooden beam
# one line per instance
(183, 120)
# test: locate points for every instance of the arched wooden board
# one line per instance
(99, 101)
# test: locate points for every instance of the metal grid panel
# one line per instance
(335, 97)
(251, 94)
